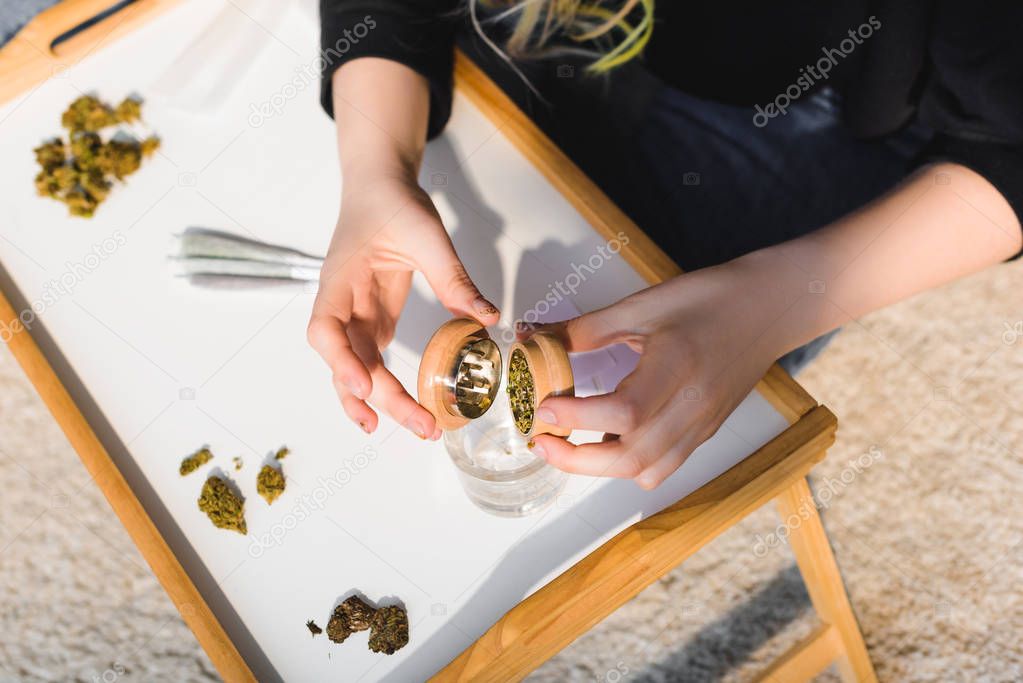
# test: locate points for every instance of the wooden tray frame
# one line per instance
(559, 612)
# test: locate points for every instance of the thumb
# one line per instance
(584, 333)
(453, 286)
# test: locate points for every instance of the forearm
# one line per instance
(942, 223)
(381, 109)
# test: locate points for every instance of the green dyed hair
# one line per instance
(608, 33)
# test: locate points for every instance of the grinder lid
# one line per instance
(461, 370)
(460, 373)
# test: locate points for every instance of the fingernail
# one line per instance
(418, 430)
(546, 415)
(483, 307)
(437, 433)
(537, 449)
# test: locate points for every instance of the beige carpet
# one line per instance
(928, 534)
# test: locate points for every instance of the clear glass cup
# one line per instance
(497, 471)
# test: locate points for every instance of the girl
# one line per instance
(806, 163)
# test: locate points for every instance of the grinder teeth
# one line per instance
(469, 387)
(472, 374)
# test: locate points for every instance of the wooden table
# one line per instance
(229, 369)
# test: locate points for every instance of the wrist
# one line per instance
(789, 304)
(796, 304)
(381, 110)
(368, 167)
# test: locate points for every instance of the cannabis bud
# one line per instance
(89, 114)
(78, 174)
(337, 628)
(359, 614)
(313, 628)
(128, 110)
(282, 453)
(389, 630)
(195, 461)
(224, 508)
(50, 155)
(270, 483)
(350, 616)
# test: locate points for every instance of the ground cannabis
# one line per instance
(224, 508)
(282, 453)
(389, 630)
(237, 463)
(313, 628)
(78, 173)
(195, 461)
(521, 391)
(270, 483)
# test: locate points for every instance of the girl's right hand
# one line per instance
(387, 228)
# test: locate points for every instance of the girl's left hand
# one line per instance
(705, 339)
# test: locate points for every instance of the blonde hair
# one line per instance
(606, 32)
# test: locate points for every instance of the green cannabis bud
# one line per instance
(389, 630)
(51, 155)
(270, 483)
(87, 113)
(313, 628)
(128, 111)
(79, 172)
(195, 461)
(224, 508)
(282, 453)
(148, 146)
(120, 158)
(94, 184)
(521, 391)
(85, 148)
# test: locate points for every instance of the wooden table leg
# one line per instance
(823, 581)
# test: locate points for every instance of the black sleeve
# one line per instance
(973, 98)
(417, 33)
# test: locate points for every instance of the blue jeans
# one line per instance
(729, 187)
(16, 13)
(700, 177)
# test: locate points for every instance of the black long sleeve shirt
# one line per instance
(956, 67)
